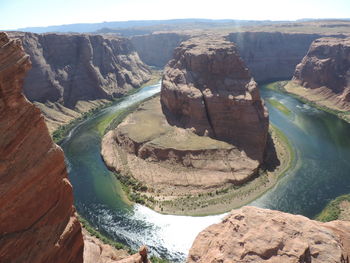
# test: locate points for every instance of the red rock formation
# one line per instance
(37, 217)
(38, 222)
(256, 235)
(327, 66)
(208, 88)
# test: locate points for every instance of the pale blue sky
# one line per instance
(26, 13)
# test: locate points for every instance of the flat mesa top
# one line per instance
(332, 41)
(205, 44)
(148, 124)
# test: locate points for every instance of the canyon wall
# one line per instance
(72, 67)
(38, 221)
(252, 234)
(207, 88)
(269, 55)
(272, 55)
(157, 49)
(37, 217)
(327, 66)
(72, 73)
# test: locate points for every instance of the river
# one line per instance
(322, 172)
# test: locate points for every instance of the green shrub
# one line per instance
(332, 210)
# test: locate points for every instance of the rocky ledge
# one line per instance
(253, 234)
(323, 76)
(206, 133)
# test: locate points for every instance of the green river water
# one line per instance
(322, 172)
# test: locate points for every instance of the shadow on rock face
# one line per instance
(271, 161)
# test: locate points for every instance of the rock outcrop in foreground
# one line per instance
(72, 73)
(97, 252)
(207, 88)
(256, 235)
(37, 217)
(326, 70)
(38, 222)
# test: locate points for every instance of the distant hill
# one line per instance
(156, 24)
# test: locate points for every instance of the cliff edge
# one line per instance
(252, 234)
(38, 222)
(37, 217)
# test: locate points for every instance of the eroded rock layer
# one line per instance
(72, 67)
(37, 217)
(207, 88)
(172, 159)
(256, 235)
(326, 67)
(73, 73)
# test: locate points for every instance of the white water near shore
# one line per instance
(176, 233)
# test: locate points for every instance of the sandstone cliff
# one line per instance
(157, 49)
(326, 70)
(256, 235)
(72, 71)
(272, 55)
(38, 222)
(37, 217)
(207, 88)
(269, 55)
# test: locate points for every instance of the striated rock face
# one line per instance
(157, 49)
(38, 222)
(74, 73)
(37, 217)
(207, 88)
(272, 55)
(256, 235)
(71, 67)
(327, 66)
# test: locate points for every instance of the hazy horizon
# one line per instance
(188, 18)
(42, 13)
